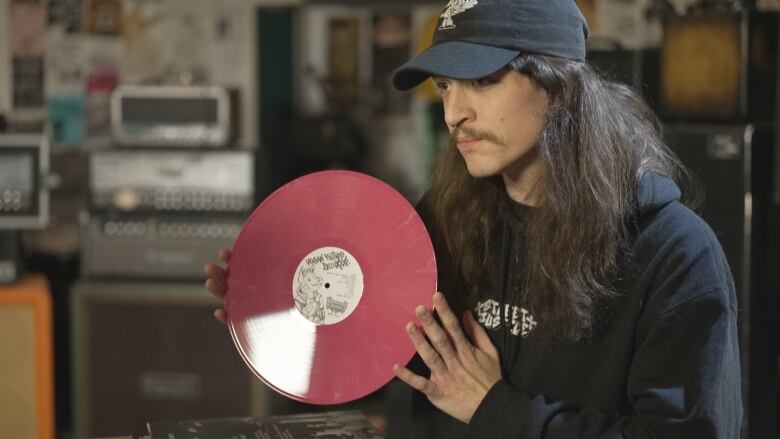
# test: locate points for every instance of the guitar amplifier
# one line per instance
(719, 66)
(138, 246)
(24, 198)
(734, 165)
(635, 68)
(173, 116)
(26, 354)
(211, 181)
(147, 352)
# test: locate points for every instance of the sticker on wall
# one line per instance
(27, 82)
(65, 63)
(66, 114)
(103, 16)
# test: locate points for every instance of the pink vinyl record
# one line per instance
(323, 278)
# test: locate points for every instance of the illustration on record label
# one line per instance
(328, 285)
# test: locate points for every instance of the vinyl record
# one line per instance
(322, 280)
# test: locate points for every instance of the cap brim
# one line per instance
(452, 59)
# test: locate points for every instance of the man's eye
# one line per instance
(441, 86)
(484, 81)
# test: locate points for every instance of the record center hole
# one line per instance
(327, 285)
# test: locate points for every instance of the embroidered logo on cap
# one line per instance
(455, 7)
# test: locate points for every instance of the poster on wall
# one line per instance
(64, 62)
(97, 107)
(66, 115)
(101, 76)
(390, 49)
(228, 44)
(167, 42)
(64, 73)
(27, 44)
(27, 81)
(103, 17)
(27, 25)
(343, 82)
(65, 14)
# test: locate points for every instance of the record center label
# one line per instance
(327, 285)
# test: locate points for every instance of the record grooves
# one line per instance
(323, 277)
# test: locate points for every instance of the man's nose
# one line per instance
(457, 106)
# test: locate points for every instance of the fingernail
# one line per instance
(422, 311)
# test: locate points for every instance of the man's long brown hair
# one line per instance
(598, 141)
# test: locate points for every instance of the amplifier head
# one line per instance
(24, 164)
(182, 180)
(171, 116)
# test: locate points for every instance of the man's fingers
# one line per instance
(220, 315)
(224, 255)
(215, 287)
(214, 271)
(479, 335)
(435, 333)
(428, 354)
(416, 381)
(450, 322)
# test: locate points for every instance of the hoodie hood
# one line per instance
(655, 191)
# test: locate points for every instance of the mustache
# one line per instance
(472, 133)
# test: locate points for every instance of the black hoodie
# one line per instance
(664, 363)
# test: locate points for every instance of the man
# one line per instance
(595, 304)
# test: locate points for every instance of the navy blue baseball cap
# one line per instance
(475, 38)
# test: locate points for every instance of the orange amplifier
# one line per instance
(26, 360)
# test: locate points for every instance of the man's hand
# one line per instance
(461, 372)
(216, 277)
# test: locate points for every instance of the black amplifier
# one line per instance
(211, 181)
(174, 362)
(10, 257)
(153, 246)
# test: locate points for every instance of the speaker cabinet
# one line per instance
(635, 68)
(719, 66)
(734, 165)
(26, 372)
(154, 352)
